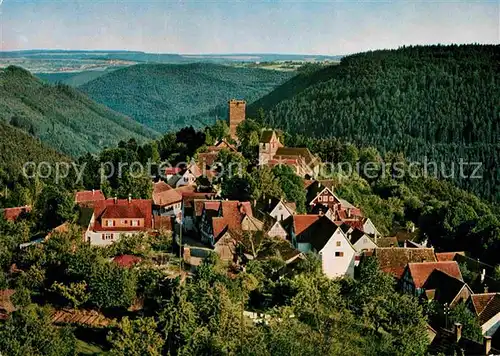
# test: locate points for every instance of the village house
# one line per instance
(220, 216)
(186, 176)
(451, 342)
(168, 200)
(446, 289)
(486, 306)
(87, 198)
(12, 214)
(209, 157)
(440, 281)
(273, 153)
(323, 201)
(112, 218)
(393, 260)
(318, 234)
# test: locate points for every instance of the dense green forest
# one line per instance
(167, 97)
(16, 148)
(62, 117)
(73, 79)
(439, 102)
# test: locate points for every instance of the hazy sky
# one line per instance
(279, 26)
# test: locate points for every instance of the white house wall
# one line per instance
(338, 266)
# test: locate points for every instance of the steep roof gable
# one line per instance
(486, 305)
(420, 272)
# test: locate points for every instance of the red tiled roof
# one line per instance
(302, 222)
(126, 261)
(420, 272)
(219, 224)
(448, 256)
(233, 213)
(122, 208)
(11, 214)
(394, 260)
(160, 187)
(166, 198)
(88, 196)
(486, 305)
(171, 196)
(480, 301)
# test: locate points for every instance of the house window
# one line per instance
(320, 198)
(109, 223)
(109, 237)
(124, 221)
(331, 198)
(338, 243)
(135, 222)
(339, 254)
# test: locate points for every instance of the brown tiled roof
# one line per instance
(294, 152)
(302, 222)
(421, 271)
(88, 196)
(394, 260)
(11, 214)
(163, 222)
(387, 241)
(486, 305)
(448, 256)
(122, 208)
(233, 213)
(167, 197)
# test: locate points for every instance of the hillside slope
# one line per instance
(167, 96)
(62, 117)
(439, 102)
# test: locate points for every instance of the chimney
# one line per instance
(458, 332)
(483, 275)
(129, 198)
(116, 199)
(487, 345)
(348, 212)
(486, 288)
(93, 191)
(404, 245)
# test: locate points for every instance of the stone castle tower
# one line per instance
(236, 115)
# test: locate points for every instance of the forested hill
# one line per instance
(61, 116)
(16, 148)
(166, 97)
(435, 101)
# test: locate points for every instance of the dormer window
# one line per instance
(135, 222)
(109, 223)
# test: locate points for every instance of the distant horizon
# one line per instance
(190, 27)
(239, 53)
